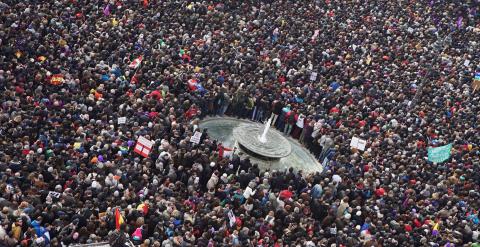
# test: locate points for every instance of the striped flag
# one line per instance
(118, 219)
(136, 63)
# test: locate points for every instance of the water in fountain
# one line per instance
(263, 137)
(269, 145)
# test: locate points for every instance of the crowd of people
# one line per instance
(397, 74)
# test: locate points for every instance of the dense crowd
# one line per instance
(397, 74)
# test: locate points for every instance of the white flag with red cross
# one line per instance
(143, 146)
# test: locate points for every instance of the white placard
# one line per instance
(358, 143)
(361, 144)
(232, 218)
(122, 120)
(313, 76)
(196, 137)
(145, 142)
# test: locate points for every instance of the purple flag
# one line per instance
(459, 22)
(106, 10)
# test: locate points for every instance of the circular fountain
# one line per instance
(257, 140)
(263, 145)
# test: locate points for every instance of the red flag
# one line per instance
(118, 219)
(145, 209)
(145, 3)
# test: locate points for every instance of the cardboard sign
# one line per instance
(143, 146)
(358, 143)
(122, 120)
(196, 137)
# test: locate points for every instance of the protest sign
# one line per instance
(122, 120)
(313, 76)
(358, 143)
(231, 218)
(143, 146)
(54, 194)
(196, 137)
(439, 154)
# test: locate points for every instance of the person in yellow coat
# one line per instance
(17, 229)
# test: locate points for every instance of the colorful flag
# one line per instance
(435, 229)
(77, 145)
(118, 219)
(439, 154)
(106, 10)
(143, 147)
(477, 76)
(136, 63)
(57, 79)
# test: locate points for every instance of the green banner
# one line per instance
(439, 154)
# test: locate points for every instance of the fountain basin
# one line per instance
(248, 137)
(221, 129)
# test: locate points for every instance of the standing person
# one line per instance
(276, 110)
(119, 237)
(249, 104)
(224, 104)
(326, 142)
(261, 109)
(281, 118)
(290, 119)
(305, 136)
(238, 102)
(298, 128)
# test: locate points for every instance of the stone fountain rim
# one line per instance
(252, 148)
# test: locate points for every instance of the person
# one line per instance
(276, 111)
(119, 237)
(82, 81)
